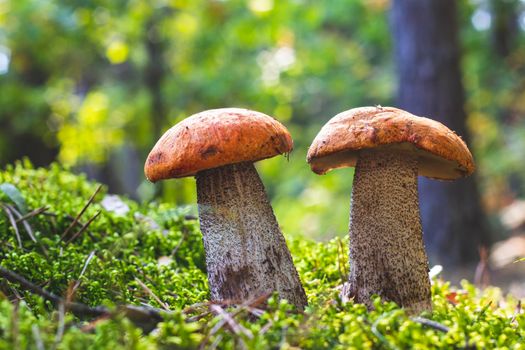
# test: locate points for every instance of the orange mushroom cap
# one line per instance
(214, 138)
(442, 154)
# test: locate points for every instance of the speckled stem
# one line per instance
(246, 253)
(387, 255)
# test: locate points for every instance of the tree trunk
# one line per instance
(428, 57)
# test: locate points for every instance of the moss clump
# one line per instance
(157, 246)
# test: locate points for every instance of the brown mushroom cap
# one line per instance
(442, 154)
(214, 138)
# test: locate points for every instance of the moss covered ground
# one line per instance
(151, 257)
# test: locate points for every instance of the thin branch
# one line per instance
(90, 200)
(430, 323)
(227, 318)
(32, 213)
(516, 312)
(198, 317)
(61, 325)
(83, 228)
(78, 282)
(216, 342)
(182, 239)
(236, 327)
(28, 229)
(36, 336)
(145, 318)
(13, 223)
(380, 335)
(150, 292)
(26, 225)
(77, 309)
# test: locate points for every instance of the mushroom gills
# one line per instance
(246, 253)
(387, 254)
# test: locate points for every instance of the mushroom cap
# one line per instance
(214, 138)
(442, 154)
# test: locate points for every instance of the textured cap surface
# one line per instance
(214, 138)
(442, 154)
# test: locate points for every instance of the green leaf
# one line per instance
(14, 195)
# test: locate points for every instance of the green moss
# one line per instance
(157, 246)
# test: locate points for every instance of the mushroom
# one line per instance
(389, 149)
(246, 253)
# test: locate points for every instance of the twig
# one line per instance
(13, 223)
(516, 312)
(236, 328)
(36, 336)
(28, 229)
(145, 318)
(216, 342)
(483, 310)
(60, 328)
(78, 282)
(341, 261)
(250, 306)
(26, 225)
(77, 309)
(150, 292)
(15, 293)
(430, 323)
(184, 235)
(93, 324)
(90, 200)
(83, 228)
(198, 317)
(32, 213)
(380, 335)
(482, 274)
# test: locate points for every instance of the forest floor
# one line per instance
(82, 269)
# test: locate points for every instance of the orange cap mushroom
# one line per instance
(389, 148)
(214, 138)
(441, 153)
(246, 253)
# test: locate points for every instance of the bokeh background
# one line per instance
(93, 84)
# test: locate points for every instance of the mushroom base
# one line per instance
(387, 255)
(246, 253)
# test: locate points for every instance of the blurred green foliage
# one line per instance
(162, 248)
(94, 83)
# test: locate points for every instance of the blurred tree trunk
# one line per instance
(427, 53)
(155, 70)
(505, 28)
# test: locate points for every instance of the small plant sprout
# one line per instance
(389, 148)
(246, 253)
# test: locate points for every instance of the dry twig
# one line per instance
(78, 281)
(83, 228)
(153, 295)
(12, 220)
(75, 221)
(145, 318)
(32, 214)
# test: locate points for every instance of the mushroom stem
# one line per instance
(246, 253)
(387, 254)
